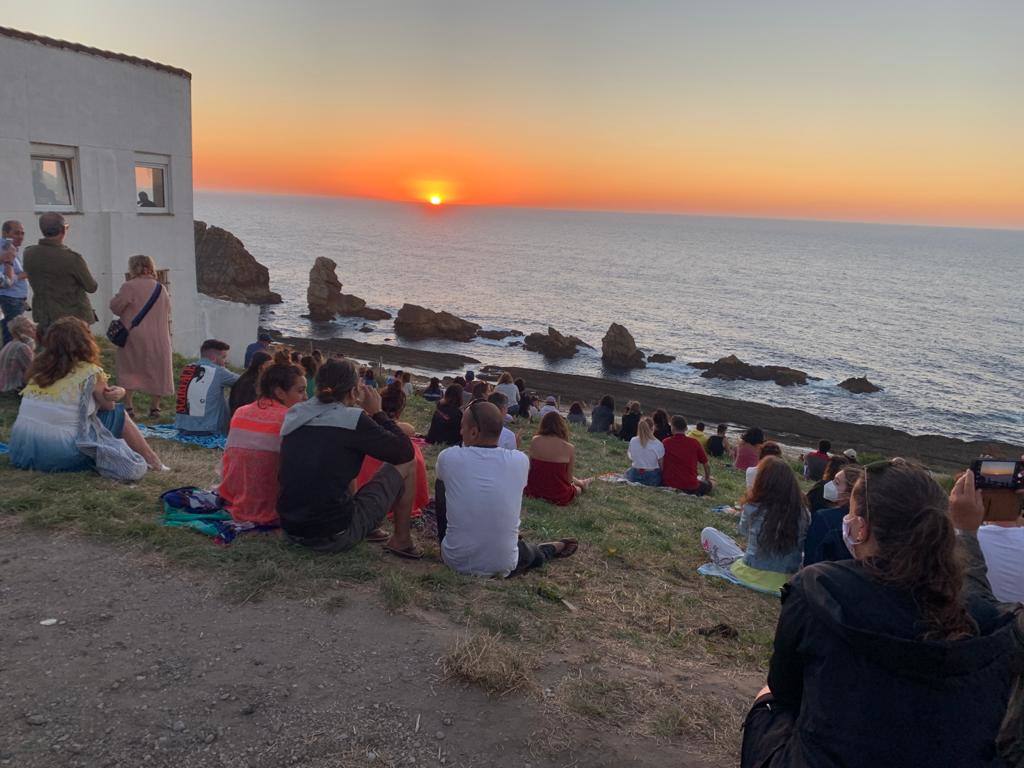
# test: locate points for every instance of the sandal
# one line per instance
(130, 412)
(378, 536)
(412, 552)
(569, 548)
(154, 413)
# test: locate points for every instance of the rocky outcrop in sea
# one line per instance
(731, 368)
(553, 344)
(416, 322)
(226, 270)
(326, 301)
(618, 349)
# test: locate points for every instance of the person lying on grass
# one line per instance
(323, 443)
(478, 497)
(886, 659)
(553, 462)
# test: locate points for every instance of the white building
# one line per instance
(106, 140)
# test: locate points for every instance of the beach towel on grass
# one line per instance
(203, 511)
(618, 478)
(767, 582)
(168, 432)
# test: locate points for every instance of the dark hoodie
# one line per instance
(322, 451)
(869, 693)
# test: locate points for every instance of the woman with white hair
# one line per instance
(144, 363)
(17, 354)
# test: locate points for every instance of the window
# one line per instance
(53, 178)
(151, 193)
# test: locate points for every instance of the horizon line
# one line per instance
(564, 209)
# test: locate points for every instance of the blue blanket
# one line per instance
(168, 432)
(3, 448)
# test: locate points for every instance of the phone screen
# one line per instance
(994, 475)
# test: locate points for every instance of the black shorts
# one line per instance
(370, 506)
(703, 489)
(767, 734)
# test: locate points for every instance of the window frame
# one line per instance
(161, 163)
(68, 158)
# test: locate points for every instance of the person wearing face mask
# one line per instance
(825, 536)
(883, 660)
(816, 495)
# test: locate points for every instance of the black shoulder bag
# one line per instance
(116, 331)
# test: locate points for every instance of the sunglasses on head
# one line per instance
(472, 413)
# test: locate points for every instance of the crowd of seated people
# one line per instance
(899, 601)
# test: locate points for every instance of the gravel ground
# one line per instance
(108, 658)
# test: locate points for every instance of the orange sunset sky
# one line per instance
(910, 111)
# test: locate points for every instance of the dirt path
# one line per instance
(149, 666)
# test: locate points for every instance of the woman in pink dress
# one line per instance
(144, 363)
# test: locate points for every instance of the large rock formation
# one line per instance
(416, 322)
(553, 345)
(859, 385)
(326, 301)
(225, 270)
(659, 358)
(731, 368)
(618, 350)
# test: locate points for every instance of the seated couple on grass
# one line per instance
(901, 656)
(324, 441)
(478, 499)
(671, 462)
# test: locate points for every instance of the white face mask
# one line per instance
(847, 538)
(830, 492)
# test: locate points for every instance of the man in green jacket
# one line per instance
(59, 277)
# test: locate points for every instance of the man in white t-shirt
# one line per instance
(1002, 543)
(478, 498)
(509, 440)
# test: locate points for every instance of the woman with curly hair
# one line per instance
(66, 385)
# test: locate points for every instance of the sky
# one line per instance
(909, 111)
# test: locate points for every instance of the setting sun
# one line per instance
(435, 199)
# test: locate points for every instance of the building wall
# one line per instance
(109, 111)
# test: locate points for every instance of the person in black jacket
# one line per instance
(881, 661)
(816, 494)
(323, 443)
(630, 421)
(825, 535)
(446, 423)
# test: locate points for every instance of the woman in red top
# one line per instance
(552, 461)
(748, 452)
(254, 444)
(392, 402)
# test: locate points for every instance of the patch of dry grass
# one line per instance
(485, 660)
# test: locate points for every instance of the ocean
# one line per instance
(933, 315)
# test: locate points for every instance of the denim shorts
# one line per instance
(644, 476)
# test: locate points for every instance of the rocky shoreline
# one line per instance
(790, 425)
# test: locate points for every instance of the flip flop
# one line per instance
(571, 545)
(378, 536)
(412, 552)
